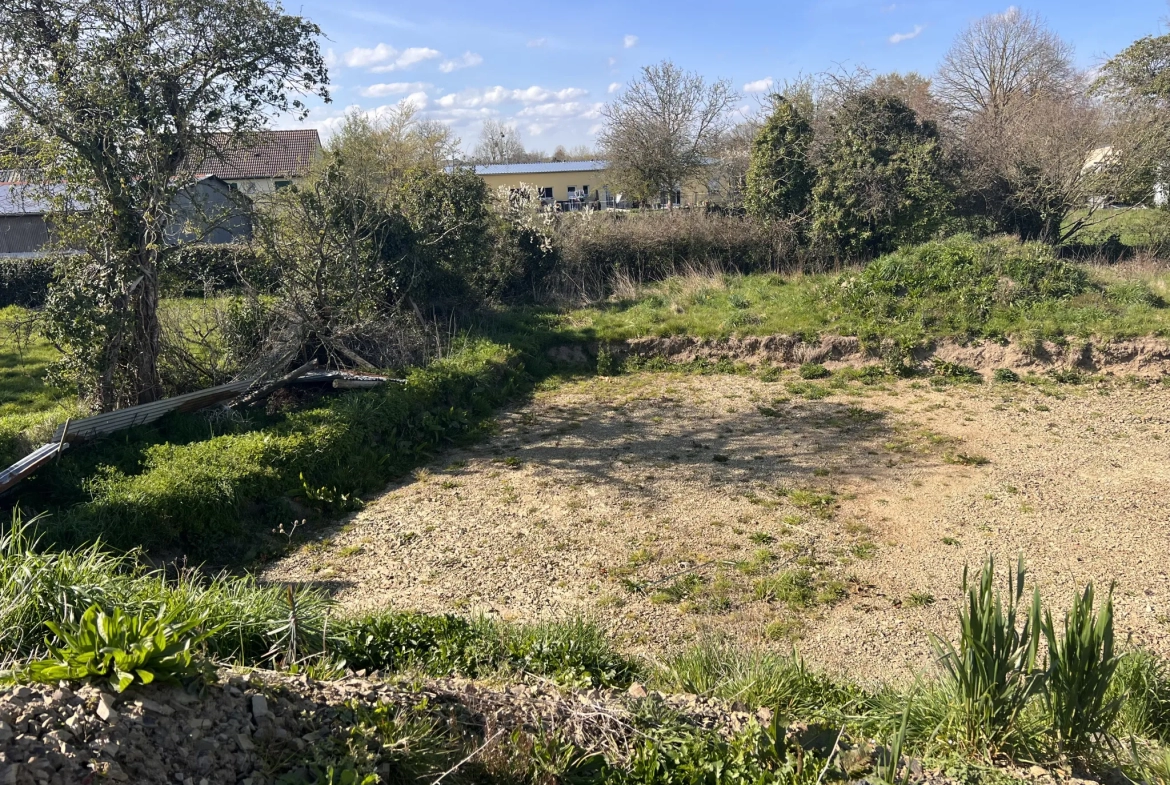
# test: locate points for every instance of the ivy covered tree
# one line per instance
(780, 175)
(880, 182)
(122, 100)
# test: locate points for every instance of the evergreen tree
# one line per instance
(780, 176)
(881, 183)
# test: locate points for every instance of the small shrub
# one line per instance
(919, 600)
(1006, 376)
(607, 364)
(814, 371)
(122, 648)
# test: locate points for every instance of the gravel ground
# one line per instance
(662, 504)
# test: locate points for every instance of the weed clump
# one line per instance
(814, 371)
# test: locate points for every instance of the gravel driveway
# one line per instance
(670, 507)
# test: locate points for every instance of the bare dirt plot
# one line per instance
(670, 507)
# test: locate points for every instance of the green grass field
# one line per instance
(1120, 305)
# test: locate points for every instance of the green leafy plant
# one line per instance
(330, 500)
(122, 648)
(1081, 667)
(992, 670)
(1006, 376)
(813, 371)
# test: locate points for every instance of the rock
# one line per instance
(157, 708)
(259, 706)
(1037, 772)
(105, 708)
(636, 691)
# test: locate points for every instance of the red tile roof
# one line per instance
(271, 154)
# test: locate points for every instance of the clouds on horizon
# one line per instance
(759, 86)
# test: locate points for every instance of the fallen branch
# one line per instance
(272, 387)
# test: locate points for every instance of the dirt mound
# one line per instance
(1140, 357)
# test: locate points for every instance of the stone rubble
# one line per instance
(233, 731)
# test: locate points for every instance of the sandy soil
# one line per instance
(669, 507)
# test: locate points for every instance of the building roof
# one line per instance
(25, 199)
(16, 199)
(541, 168)
(272, 154)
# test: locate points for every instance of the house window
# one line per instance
(233, 186)
(546, 193)
(584, 192)
(572, 192)
(282, 184)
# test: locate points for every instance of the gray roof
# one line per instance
(24, 200)
(541, 168)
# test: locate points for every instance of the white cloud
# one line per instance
(561, 109)
(468, 60)
(393, 88)
(612, 61)
(630, 41)
(759, 86)
(362, 58)
(537, 43)
(898, 38)
(412, 56)
(614, 87)
(493, 96)
(418, 100)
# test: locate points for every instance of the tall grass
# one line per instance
(992, 672)
(39, 585)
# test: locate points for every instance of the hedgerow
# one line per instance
(199, 494)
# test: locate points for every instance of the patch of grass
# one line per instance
(1006, 376)
(208, 495)
(793, 588)
(814, 371)
(966, 459)
(816, 502)
(919, 600)
(810, 390)
(761, 538)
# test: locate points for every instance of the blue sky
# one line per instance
(547, 67)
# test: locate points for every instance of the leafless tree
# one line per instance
(1002, 59)
(381, 149)
(663, 127)
(499, 144)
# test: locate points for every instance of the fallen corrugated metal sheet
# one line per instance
(148, 412)
(29, 464)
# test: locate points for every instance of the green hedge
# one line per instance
(201, 495)
(25, 282)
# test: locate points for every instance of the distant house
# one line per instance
(267, 161)
(571, 185)
(210, 211)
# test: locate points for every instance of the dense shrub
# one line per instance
(780, 175)
(957, 282)
(25, 282)
(197, 270)
(199, 494)
(880, 182)
(601, 248)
